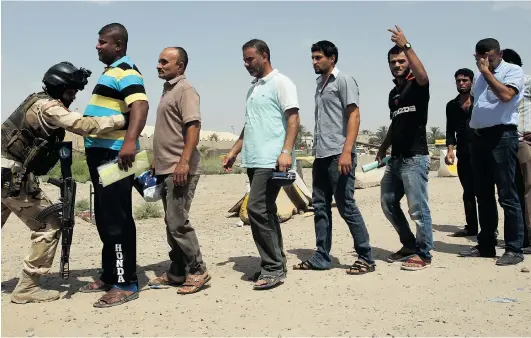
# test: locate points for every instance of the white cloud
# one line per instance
(505, 5)
(101, 2)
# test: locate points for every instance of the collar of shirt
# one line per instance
(319, 79)
(457, 99)
(115, 64)
(409, 77)
(497, 69)
(265, 78)
(174, 81)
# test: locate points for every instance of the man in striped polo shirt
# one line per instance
(120, 90)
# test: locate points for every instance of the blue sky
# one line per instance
(36, 35)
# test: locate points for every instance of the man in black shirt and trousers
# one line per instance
(458, 112)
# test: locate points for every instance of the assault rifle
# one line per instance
(64, 210)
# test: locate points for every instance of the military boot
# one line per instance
(28, 291)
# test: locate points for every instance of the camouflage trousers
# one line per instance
(44, 236)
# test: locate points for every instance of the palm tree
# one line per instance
(435, 134)
(299, 141)
(379, 136)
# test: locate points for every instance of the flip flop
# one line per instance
(195, 282)
(415, 260)
(115, 297)
(95, 286)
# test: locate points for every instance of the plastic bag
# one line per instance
(146, 185)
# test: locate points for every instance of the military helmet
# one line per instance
(65, 76)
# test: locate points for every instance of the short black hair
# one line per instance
(118, 31)
(327, 48)
(511, 56)
(394, 50)
(183, 56)
(465, 72)
(486, 45)
(260, 46)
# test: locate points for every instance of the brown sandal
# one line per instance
(115, 297)
(165, 281)
(194, 283)
(96, 286)
(415, 263)
(306, 265)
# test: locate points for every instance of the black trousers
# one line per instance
(114, 221)
(466, 177)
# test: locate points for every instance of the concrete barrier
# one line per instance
(444, 169)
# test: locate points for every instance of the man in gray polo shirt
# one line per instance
(337, 121)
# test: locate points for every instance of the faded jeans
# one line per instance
(328, 182)
(409, 176)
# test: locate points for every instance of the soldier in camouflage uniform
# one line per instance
(29, 149)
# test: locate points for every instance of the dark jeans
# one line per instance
(265, 224)
(466, 177)
(494, 163)
(114, 221)
(185, 253)
(328, 182)
(409, 176)
(523, 186)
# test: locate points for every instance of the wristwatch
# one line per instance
(284, 151)
(407, 46)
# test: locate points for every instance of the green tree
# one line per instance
(299, 140)
(435, 134)
(379, 136)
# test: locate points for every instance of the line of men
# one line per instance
(117, 112)
(498, 156)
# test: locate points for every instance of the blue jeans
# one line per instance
(327, 181)
(494, 163)
(409, 176)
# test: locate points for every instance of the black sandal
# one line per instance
(271, 281)
(360, 268)
(306, 265)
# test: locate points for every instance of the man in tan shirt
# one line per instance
(177, 166)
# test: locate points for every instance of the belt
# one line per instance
(499, 128)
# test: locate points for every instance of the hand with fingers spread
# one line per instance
(398, 36)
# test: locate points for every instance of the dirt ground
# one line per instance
(453, 297)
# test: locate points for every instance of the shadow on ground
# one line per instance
(248, 265)
(54, 281)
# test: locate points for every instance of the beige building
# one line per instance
(207, 138)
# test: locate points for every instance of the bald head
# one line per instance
(172, 62)
(182, 55)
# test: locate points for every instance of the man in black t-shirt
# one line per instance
(407, 169)
(458, 113)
